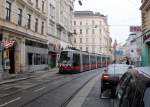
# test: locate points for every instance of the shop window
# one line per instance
(37, 59)
(30, 56)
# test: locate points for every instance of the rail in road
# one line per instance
(67, 100)
(24, 98)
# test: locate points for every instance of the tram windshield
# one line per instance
(64, 58)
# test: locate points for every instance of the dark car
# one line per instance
(133, 89)
(110, 77)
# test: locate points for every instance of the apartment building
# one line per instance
(91, 32)
(60, 15)
(23, 35)
(145, 12)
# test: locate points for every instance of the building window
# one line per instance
(93, 40)
(93, 23)
(100, 23)
(86, 40)
(87, 31)
(19, 16)
(87, 49)
(81, 48)
(8, 10)
(42, 6)
(29, 21)
(74, 40)
(93, 31)
(74, 22)
(42, 29)
(80, 23)
(100, 31)
(75, 31)
(86, 23)
(100, 50)
(36, 25)
(80, 40)
(37, 2)
(80, 31)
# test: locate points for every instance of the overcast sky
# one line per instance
(121, 14)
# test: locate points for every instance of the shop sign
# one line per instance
(146, 36)
(135, 29)
(7, 43)
(54, 47)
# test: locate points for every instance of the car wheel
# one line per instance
(101, 91)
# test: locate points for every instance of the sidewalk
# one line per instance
(10, 78)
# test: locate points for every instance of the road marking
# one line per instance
(18, 98)
(39, 89)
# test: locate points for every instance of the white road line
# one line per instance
(39, 89)
(18, 98)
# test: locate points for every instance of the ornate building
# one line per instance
(91, 32)
(23, 25)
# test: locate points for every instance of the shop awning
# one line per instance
(7, 43)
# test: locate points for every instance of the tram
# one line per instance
(75, 61)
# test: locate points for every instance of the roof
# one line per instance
(87, 13)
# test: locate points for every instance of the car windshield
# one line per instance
(64, 58)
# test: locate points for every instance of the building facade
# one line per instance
(23, 35)
(60, 15)
(145, 12)
(91, 32)
(133, 48)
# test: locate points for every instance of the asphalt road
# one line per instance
(53, 91)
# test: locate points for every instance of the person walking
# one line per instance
(127, 62)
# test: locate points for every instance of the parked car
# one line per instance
(133, 89)
(111, 75)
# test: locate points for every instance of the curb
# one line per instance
(15, 80)
(23, 78)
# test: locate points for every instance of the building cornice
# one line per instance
(145, 5)
(23, 34)
(41, 14)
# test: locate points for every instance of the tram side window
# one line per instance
(76, 59)
(85, 59)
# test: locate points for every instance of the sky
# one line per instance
(121, 14)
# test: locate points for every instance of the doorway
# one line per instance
(12, 60)
(52, 59)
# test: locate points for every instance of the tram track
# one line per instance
(67, 100)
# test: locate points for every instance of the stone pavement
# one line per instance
(9, 78)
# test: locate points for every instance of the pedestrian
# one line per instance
(127, 62)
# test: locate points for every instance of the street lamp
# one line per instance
(80, 3)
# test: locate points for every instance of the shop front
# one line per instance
(1, 50)
(146, 49)
(36, 55)
(54, 50)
